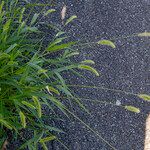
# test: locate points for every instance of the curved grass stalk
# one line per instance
(62, 144)
(89, 44)
(39, 5)
(123, 37)
(92, 130)
(93, 100)
(103, 88)
(126, 107)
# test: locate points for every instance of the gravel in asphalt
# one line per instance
(124, 68)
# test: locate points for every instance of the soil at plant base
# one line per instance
(125, 68)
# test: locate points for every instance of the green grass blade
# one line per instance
(70, 19)
(47, 139)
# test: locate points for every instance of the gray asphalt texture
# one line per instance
(124, 68)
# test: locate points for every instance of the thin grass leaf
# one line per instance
(59, 34)
(12, 63)
(60, 47)
(6, 124)
(89, 68)
(65, 90)
(48, 104)
(65, 68)
(132, 109)
(4, 55)
(13, 84)
(50, 128)
(65, 147)
(72, 54)
(144, 97)
(31, 147)
(77, 100)
(1, 6)
(70, 19)
(88, 127)
(62, 81)
(30, 29)
(27, 1)
(21, 15)
(34, 18)
(6, 26)
(58, 104)
(49, 11)
(40, 71)
(107, 42)
(47, 139)
(23, 119)
(28, 104)
(88, 62)
(12, 3)
(37, 4)
(56, 41)
(21, 28)
(44, 146)
(11, 48)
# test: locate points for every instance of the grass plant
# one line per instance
(31, 80)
